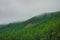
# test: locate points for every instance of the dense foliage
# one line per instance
(42, 27)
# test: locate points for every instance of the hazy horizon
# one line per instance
(19, 10)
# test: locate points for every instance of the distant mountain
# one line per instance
(40, 27)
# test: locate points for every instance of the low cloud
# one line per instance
(18, 10)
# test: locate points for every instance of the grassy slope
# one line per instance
(45, 29)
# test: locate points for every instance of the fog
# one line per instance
(20, 10)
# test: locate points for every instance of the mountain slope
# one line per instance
(44, 27)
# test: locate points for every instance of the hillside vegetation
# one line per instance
(41, 27)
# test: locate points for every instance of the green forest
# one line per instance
(41, 27)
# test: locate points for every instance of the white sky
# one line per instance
(18, 10)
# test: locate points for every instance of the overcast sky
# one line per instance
(18, 10)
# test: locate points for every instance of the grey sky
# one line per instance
(18, 10)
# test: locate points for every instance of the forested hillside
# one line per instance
(40, 27)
